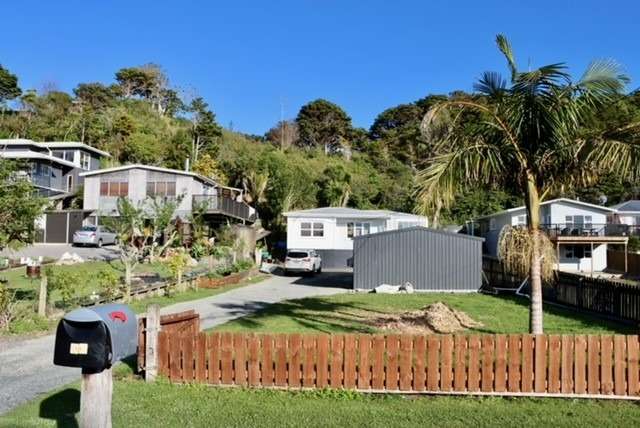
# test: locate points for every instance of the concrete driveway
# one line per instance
(26, 366)
(55, 251)
(242, 301)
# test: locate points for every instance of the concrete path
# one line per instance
(26, 366)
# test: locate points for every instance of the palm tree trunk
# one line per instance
(535, 273)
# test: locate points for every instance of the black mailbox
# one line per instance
(96, 338)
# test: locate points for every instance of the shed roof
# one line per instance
(414, 229)
(340, 212)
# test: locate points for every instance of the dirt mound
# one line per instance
(434, 318)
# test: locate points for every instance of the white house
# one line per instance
(627, 213)
(579, 231)
(330, 231)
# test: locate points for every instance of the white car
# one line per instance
(95, 236)
(307, 261)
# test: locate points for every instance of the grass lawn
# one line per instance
(140, 306)
(138, 404)
(27, 289)
(348, 313)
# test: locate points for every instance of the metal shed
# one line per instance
(430, 259)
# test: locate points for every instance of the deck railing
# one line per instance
(589, 229)
(225, 205)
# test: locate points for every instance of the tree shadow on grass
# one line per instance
(62, 408)
(310, 313)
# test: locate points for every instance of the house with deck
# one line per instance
(627, 215)
(331, 230)
(53, 167)
(579, 231)
(141, 183)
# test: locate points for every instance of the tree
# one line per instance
(140, 229)
(9, 88)
(95, 95)
(335, 187)
(529, 135)
(323, 124)
(209, 167)
(204, 129)
(284, 134)
(19, 205)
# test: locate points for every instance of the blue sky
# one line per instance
(246, 57)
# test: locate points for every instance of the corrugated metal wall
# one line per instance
(429, 259)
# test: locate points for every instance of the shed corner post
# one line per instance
(151, 343)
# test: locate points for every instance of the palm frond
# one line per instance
(491, 84)
(505, 48)
(618, 157)
(603, 78)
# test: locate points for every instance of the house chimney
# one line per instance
(186, 164)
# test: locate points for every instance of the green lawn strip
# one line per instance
(27, 289)
(348, 313)
(136, 403)
(140, 306)
(33, 324)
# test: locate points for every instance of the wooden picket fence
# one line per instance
(556, 365)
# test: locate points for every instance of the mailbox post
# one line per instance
(94, 339)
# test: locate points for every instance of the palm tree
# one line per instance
(528, 134)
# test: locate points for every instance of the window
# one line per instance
(492, 224)
(161, 188)
(312, 229)
(114, 188)
(577, 251)
(579, 221)
(521, 220)
(358, 229)
(69, 183)
(85, 160)
(405, 224)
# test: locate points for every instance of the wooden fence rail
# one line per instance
(567, 365)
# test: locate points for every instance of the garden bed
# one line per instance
(234, 278)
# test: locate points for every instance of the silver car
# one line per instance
(94, 235)
(302, 261)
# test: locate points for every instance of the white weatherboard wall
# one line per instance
(335, 233)
(555, 214)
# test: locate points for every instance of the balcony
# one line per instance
(588, 232)
(216, 204)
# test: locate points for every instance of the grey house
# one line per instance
(54, 167)
(141, 183)
(430, 259)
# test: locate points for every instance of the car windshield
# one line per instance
(88, 229)
(297, 254)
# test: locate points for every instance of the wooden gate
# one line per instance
(187, 322)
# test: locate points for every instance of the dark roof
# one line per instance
(632, 205)
(420, 229)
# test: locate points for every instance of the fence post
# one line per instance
(151, 343)
(96, 392)
(42, 297)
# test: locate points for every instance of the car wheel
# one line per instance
(99, 243)
(319, 268)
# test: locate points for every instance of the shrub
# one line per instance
(109, 283)
(64, 281)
